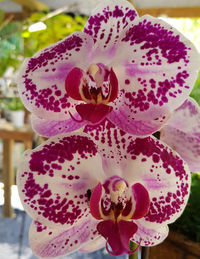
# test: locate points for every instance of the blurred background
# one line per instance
(26, 26)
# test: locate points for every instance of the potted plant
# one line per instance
(16, 111)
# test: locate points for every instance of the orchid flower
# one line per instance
(133, 71)
(84, 194)
(182, 133)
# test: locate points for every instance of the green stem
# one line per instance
(133, 246)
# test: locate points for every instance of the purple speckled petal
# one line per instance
(49, 128)
(156, 70)
(150, 162)
(187, 117)
(108, 21)
(164, 174)
(52, 242)
(149, 236)
(182, 133)
(41, 79)
(53, 179)
(111, 144)
(94, 245)
(186, 144)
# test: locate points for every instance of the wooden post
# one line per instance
(8, 176)
(145, 253)
(9, 136)
(28, 144)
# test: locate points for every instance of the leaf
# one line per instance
(196, 90)
(9, 29)
(1, 16)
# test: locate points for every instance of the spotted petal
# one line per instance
(49, 242)
(149, 236)
(54, 178)
(41, 79)
(108, 21)
(156, 71)
(149, 162)
(182, 133)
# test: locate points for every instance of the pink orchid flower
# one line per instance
(84, 194)
(182, 133)
(133, 71)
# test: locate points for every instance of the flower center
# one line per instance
(118, 204)
(96, 88)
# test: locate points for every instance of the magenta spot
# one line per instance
(155, 158)
(127, 81)
(58, 93)
(70, 177)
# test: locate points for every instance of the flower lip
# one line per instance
(96, 89)
(115, 204)
(117, 235)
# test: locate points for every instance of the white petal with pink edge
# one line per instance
(52, 242)
(186, 117)
(149, 236)
(186, 144)
(53, 179)
(49, 128)
(182, 133)
(109, 21)
(149, 162)
(156, 71)
(41, 79)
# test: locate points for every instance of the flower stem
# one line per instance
(133, 246)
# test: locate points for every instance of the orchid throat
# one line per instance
(117, 205)
(96, 88)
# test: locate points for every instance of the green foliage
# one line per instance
(17, 42)
(58, 27)
(189, 222)
(189, 27)
(196, 90)
(1, 15)
(11, 46)
(14, 104)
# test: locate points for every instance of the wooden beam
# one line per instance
(32, 5)
(6, 21)
(175, 12)
(16, 134)
(17, 16)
